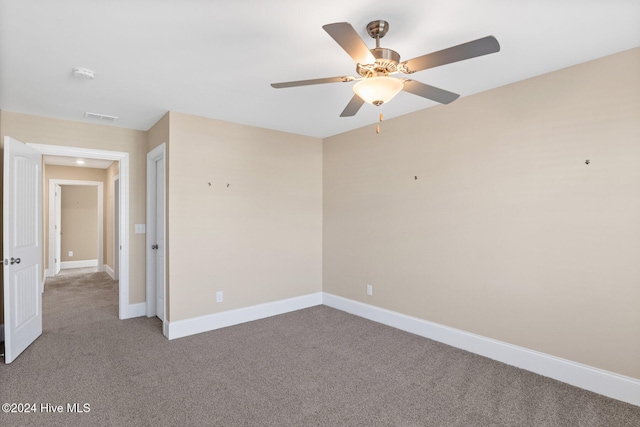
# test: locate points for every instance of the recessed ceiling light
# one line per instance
(83, 73)
(80, 162)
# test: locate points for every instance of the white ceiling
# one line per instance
(217, 58)
(73, 161)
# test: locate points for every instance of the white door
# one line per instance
(22, 240)
(159, 232)
(156, 248)
(58, 230)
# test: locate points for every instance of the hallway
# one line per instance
(78, 295)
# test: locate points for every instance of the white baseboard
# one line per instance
(603, 382)
(133, 310)
(109, 271)
(196, 325)
(78, 264)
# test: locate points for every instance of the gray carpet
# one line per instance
(313, 367)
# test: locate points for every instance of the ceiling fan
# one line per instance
(376, 66)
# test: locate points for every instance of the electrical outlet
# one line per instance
(140, 229)
(70, 253)
(219, 297)
(369, 290)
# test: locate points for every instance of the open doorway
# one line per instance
(75, 220)
(23, 239)
(125, 310)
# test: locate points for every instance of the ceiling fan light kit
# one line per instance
(378, 90)
(376, 66)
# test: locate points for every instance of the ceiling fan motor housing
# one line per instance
(386, 63)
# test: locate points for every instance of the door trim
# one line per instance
(115, 272)
(57, 233)
(154, 156)
(52, 188)
(125, 310)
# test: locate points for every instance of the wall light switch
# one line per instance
(219, 296)
(140, 229)
(70, 253)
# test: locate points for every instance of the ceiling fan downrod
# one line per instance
(377, 30)
(386, 60)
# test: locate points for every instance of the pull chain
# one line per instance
(379, 121)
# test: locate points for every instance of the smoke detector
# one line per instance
(83, 73)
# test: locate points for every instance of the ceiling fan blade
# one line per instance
(342, 79)
(457, 53)
(344, 34)
(430, 92)
(352, 107)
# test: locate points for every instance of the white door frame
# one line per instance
(154, 156)
(116, 227)
(57, 233)
(125, 309)
(52, 220)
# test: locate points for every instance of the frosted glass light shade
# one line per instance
(378, 90)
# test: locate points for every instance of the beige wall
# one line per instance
(42, 130)
(245, 207)
(79, 223)
(506, 232)
(159, 133)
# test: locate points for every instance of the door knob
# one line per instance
(15, 260)
(154, 246)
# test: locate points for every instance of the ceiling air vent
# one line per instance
(102, 117)
(83, 73)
